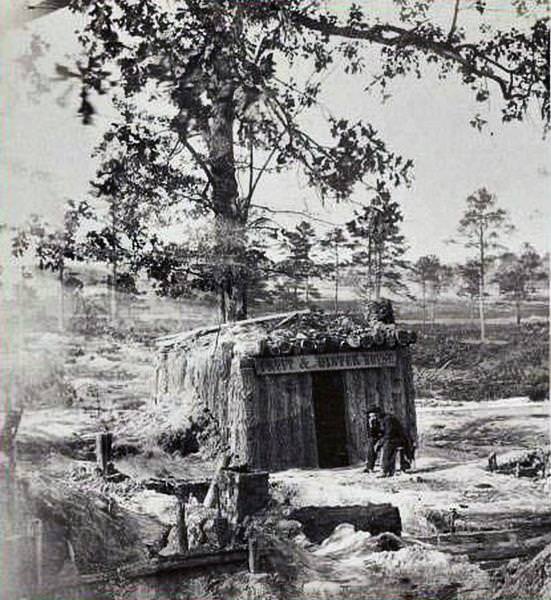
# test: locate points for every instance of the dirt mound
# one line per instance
(101, 532)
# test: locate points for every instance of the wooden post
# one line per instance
(182, 527)
(211, 497)
(104, 451)
(35, 532)
(254, 555)
(9, 443)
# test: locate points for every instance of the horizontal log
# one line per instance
(514, 520)
(175, 338)
(491, 546)
(319, 522)
(139, 569)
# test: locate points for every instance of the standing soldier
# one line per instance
(374, 439)
(385, 432)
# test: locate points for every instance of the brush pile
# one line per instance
(532, 463)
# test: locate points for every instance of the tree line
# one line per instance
(368, 253)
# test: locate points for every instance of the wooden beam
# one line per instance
(169, 340)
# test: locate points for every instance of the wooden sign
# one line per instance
(325, 362)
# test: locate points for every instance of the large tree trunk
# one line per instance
(230, 217)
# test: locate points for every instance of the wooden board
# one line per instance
(325, 362)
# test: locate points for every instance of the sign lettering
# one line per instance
(325, 362)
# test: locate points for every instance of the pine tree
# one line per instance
(299, 265)
(379, 248)
(479, 229)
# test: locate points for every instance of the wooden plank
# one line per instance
(186, 563)
(210, 498)
(289, 318)
(324, 362)
(355, 397)
(282, 426)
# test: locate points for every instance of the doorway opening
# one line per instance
(329, 410)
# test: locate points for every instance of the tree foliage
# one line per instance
(433, 278)
(379, 248)
(210, 93)
(333, 246)
(300, 266)
(518, 276)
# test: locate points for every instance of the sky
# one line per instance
(45, 151)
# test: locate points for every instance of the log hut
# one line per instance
(290, 391)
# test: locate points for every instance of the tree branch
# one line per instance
(198, 158)
(294, 212)
(454, 19)
(394, 36)
(261, 171)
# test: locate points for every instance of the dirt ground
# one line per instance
(450, 469)
(78, 387)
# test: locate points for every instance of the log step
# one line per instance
(319, 522)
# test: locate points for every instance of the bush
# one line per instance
(451, 365)
(537, 385)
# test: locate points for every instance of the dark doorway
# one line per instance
(328, 394)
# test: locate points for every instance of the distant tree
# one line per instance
(517, 276)
(442, 280)
(479, 229)
(124, 213)
(283, 294)
(53, 247)
(299, 264)
(469, 286)
(422, 273)
(379, 248)
(333, 244)
(197, 266)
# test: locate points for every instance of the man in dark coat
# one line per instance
(374, 439)
(386, 433)
(395, 438)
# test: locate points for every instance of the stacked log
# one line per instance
(318, 333)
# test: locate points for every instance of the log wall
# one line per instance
(390, 389)
(268, 421)
(281, 427)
